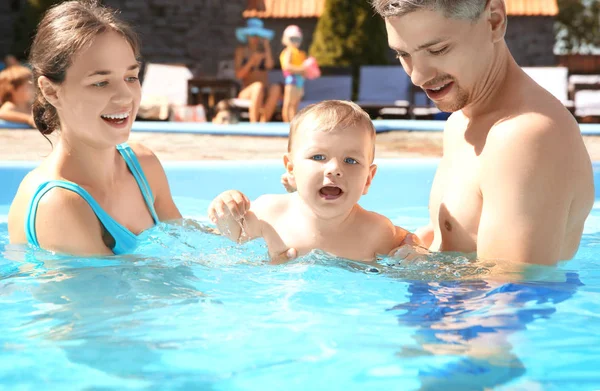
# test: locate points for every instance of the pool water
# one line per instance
(193, 311)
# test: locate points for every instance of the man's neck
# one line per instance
(489, 91)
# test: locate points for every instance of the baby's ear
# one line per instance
(372, 171)
(288, 164)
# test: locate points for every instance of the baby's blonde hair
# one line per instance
(11, 79)
(330, 115)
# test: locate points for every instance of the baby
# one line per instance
(16, 95)
(330, 156)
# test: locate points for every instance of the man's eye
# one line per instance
(318, 157)
(400, 55)
(439, 52)
(349, 160)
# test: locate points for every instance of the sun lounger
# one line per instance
(384, 90)
(554, 80)
(327, 87)
(164, 85)
(587, 103)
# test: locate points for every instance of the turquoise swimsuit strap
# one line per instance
(136, 169)
(125, 240)
(122, 235)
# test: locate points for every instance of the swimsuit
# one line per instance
(124, 240)
(297, 59)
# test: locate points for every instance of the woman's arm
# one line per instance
(155, 173)
(65, 223)
(8, 113)
(269, 63)
(241, 72)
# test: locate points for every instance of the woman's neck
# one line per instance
(86, 164)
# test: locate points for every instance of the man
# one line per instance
(515, 181)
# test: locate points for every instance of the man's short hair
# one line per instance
(330, 115)
(456, 9)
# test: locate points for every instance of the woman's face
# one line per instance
(100, 96)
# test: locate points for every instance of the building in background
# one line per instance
(201, 33)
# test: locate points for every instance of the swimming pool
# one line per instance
(193, 311)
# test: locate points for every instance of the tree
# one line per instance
(26, 24)
(578, 25)
(350, 34)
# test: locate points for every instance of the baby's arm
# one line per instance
(390, 237)
(230, 211)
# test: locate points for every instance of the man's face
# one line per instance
(447, 58)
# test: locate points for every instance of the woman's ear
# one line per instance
(49, 90)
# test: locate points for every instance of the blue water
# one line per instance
(192, 311)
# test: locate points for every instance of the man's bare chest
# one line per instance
(456, 203)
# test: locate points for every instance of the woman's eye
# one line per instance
(349, 160)
(132, 79)
(318, 157)
(100, 84)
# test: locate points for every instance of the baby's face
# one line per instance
(333, 169)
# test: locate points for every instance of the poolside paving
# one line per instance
(30, 145)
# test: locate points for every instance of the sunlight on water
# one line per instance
(191, 310)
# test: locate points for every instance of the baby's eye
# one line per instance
(100, 84)
(318, 157)
(349, 160)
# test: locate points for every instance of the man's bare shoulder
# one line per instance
(535, 133)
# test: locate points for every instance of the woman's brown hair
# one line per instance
(64, 30)
(11, 79)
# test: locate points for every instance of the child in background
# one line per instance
(16, 95)
(292, 60)
(330, 156)
(225, 113)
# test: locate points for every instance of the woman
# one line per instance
(94, 193)
(253, 61)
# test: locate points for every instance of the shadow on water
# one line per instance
(466, 311)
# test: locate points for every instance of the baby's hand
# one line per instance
(287, 183)
(227, 211)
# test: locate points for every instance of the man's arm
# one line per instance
(526, 193)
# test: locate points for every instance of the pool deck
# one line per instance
(29, 145)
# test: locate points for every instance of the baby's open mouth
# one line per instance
(330, 192)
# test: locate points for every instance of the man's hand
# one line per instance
(227, 211)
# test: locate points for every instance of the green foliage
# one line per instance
(26, 24)
(578, 25)
(350, 34)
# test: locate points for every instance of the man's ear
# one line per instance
(372, 171)
(496, 10)
(49, 90)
